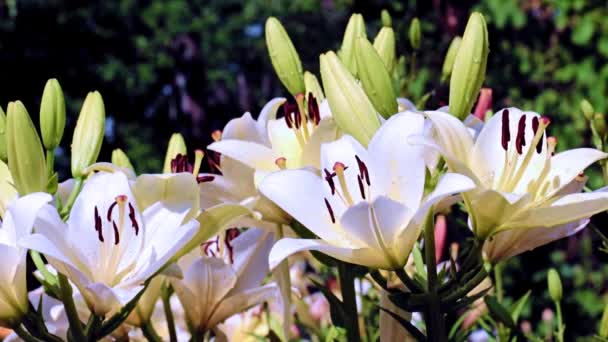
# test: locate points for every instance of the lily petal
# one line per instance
(567, 165)
(242, 301)
(452, 135)
(254, 155)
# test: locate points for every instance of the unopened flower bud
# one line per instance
(25, 153)
(284, 57)
(387, 21)
(599, 122)
(415, 34)
(375, 78)
(354, 30)
(384, 43)
(450, 56)
(587, 109)
(555, 285)
(52, 114)
(120, 158)
(177, 145)
(313, 86)
(2, 135)
(88, 134)
(351, 109)
(469, 68)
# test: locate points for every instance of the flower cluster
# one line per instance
(346, 170)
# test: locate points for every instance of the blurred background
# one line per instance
(167, 66)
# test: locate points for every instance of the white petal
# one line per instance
(20, 216)
(284, 142)
(177, 192)
(362, 256)
(567, 165)
(302, 195)
(254, 155)
(269, 112)
(100, 298)
(244, 128)
(242, 301)
(452, 135)
(251, 258)
(327, 131)
(449, 184)
(569, 208)
(490, 209)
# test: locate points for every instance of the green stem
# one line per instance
(435, 328)
(49, 277)
(50, 162)
(150, 332)
(92, 327)
(78, 182)
(560, 325)
(166, 297)
(70, 308)
(26, 336)
(502, 333)
(347, 286)
(281, 274)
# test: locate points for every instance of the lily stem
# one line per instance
(50, 162)
(560, 324)
(24, 334)
(150, 333)
(78, 182)
(347, 287)
(70, 308)
(504, 336)
(166, 297)
(435, 328)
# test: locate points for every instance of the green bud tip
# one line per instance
(120, 158)
(469, 68)
(88, 134)
(599, 122)
(313, 86)
(587, 109)
(415, 34)
(284, 57)
(387, 21)
(25, 154)
(375, 79)
(351, 108)
(354, 30)
(52, 114)
(450, 56)
(555, 285)
(384, 43)
(177, 145)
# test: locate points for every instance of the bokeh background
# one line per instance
(167, 66)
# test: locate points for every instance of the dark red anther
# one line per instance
(330, 210)
(287, 109)
(204, 179)
(134, 223)
(116, 236)
(363, 171)
(329, 177)
(98, 225)
(520, 140)
(361, 189)
(180, 164)
(297, 118)
(213, 159)
(506, 131)
(313, 109)
(539, 145)
(109, 214)
(231, 234)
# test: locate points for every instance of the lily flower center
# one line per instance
(221, 245)
(302, 124)
(516, 159)
(343, 191)
(180, 164)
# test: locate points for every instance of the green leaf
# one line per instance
(498, 311)
(518, 306)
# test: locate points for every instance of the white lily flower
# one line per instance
(16, 223)
(520, 184)
(227, 280)
(369, 206)
(108, 248)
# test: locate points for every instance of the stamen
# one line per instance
(363, 170)
(520, 140)
(204, 179)
(339, 169)
(116, 235)
(98, 225)
(506, 134)
(198, 159)
(281, 162)
(361, 189)
(330, 210)
(297, 118)
(231, 234)
(313, 109)
(134, 223)
(329, 177)
(110, 209)
(287, 110)
(551, 144)
(539, 145)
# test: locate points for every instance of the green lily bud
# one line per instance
(284, 57)
(555, 285)
(387, 21)
(120, 158)
(350, 107)
(24, 150)
(415, 34)
(384, 43)
(469, 68)
(375, 78)
(599, 123)
(450, 56)
(603, 332)
(177, 145)
(88, 134)
(354, 29)
(587, 109)
(313, 86)
(2, 135)
(52, 114)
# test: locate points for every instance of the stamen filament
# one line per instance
(339, 169)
